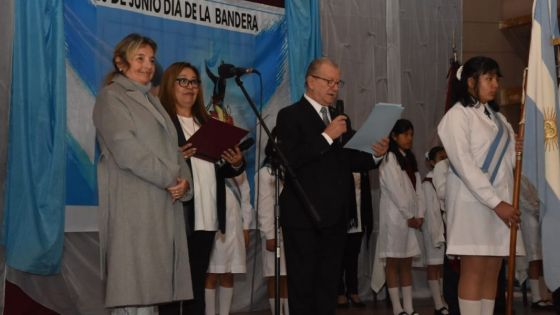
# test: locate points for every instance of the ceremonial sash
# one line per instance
(496, 151)
(235, 189)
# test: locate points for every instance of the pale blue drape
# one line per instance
(35, 183)
(304, 41)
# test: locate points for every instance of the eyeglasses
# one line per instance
(330, 83)
(184, 82)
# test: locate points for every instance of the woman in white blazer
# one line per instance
(480, 145)
(401, 213)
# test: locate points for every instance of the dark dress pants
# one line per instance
(348, 283)
(313, 260)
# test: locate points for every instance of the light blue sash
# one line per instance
(235, 189)
(496, 151)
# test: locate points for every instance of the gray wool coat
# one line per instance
(144, 254)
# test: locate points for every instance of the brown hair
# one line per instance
(124, 51)
(167, 92)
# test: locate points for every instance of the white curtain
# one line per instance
(394, 51)
(388, 50)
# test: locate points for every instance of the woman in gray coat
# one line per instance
(141, 178)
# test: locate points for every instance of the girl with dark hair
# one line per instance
(480, 145)
(401, 214)
(433, 232)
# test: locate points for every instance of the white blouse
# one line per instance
(204, 182)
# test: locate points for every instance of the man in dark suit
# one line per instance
(309, 137)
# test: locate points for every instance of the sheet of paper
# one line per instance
(379, 123)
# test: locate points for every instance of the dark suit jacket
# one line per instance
(322, 169)
(226, 171)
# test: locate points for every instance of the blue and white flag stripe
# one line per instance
(541, 155)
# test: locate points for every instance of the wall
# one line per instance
(509, 47)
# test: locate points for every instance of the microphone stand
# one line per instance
(276, 170)
(311, 211)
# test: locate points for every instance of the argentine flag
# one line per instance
(541, 156)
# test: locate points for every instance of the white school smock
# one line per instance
(265, 201)
(432, 229)
(229, 253)
(399, 202)
(473, 228)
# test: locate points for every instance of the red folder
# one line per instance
(214, 137)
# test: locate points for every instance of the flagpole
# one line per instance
(516, 193)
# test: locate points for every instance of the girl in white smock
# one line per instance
(229, 252)
(480, 145)
(433, 233)
(266, 182)
(401, 213)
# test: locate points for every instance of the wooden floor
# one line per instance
(423, 307)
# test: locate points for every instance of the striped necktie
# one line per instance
(325, 116)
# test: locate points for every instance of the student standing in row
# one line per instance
(229, 253)
(401, 214)
(265, 182)
(480, 145)
(433, 233)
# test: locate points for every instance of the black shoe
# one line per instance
(403, 313)
(344, 304)
(359, 304)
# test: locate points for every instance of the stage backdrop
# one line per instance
(241, 33)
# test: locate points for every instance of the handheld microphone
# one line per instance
(339, 109)
(339, 106)
(244, 145)
(227, 71)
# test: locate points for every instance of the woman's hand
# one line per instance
(178, 190)
(233, 156)
(187, 150)
(507, 213)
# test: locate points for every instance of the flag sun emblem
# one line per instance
(550, 131)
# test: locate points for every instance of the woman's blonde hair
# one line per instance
(167, 92)
(124, 51)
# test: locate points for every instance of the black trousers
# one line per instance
(348, 283)
(451, 286)
(313, 260)
(200, 248)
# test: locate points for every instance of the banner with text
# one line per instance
(204, 33)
